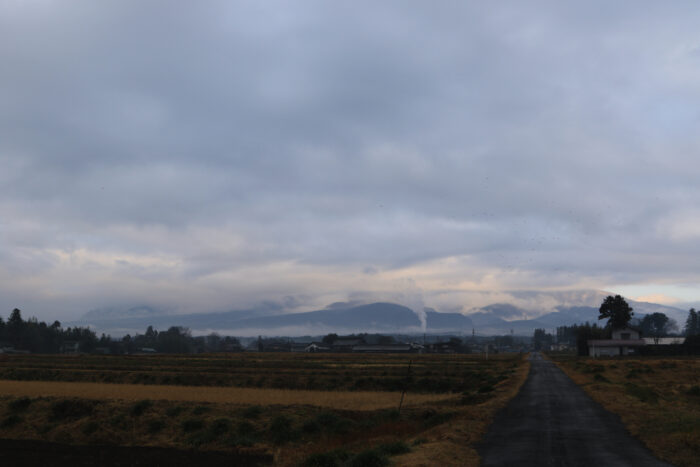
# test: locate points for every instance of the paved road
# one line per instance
(552, 422)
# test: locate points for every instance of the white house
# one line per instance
(317, 347)
(624, 342)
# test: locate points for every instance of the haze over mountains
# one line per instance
(563, 308)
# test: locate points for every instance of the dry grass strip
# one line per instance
(454, 443)
(346, 400)
(652, 396)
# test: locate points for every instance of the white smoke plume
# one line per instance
(410, 295)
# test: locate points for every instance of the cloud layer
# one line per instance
(215, 155)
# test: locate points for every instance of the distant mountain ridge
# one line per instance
(119, 313)
(373, 317)
(381, 317)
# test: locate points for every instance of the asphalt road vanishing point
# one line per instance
(553, 422)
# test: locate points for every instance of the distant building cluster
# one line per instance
(355, 344)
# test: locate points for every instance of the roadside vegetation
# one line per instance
(658, 399)
(301, 409)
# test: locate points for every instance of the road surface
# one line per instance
(552, 422)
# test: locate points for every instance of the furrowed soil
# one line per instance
(657, 399)
(281, 409)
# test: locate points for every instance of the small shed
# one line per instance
(70, 347)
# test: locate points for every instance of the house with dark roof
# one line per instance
(388, 348)
(298, 346)
(346, 344)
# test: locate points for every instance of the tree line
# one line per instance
(35, 336)
(38, 337)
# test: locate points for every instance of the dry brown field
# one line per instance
(327, 372)
(265, 403)
(343, 400)
(657, 398)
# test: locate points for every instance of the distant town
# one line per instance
(652, 335)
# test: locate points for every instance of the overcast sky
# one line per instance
(201, 156)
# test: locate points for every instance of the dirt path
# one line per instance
(350, 400)
(552, 422)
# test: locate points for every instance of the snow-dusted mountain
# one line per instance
(529, 310)
(373, 317)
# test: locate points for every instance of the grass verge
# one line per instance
(655, 398)
(452, 435)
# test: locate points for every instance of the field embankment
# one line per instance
(342, 400)
(658, 399)
(454, 443)
(325, 372)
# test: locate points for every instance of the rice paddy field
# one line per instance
(344, 400)
(658, 399)
(267, 408)
(327, 372)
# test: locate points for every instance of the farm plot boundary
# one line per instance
(345, 400)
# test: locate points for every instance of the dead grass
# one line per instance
(653, 396)
(454, 443)
(343, 400)
(431, 373)
(441, 421)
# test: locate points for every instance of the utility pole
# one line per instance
(405, 387)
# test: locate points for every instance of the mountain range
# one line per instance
(379, 317)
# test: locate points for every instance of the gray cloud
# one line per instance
(215, 155)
